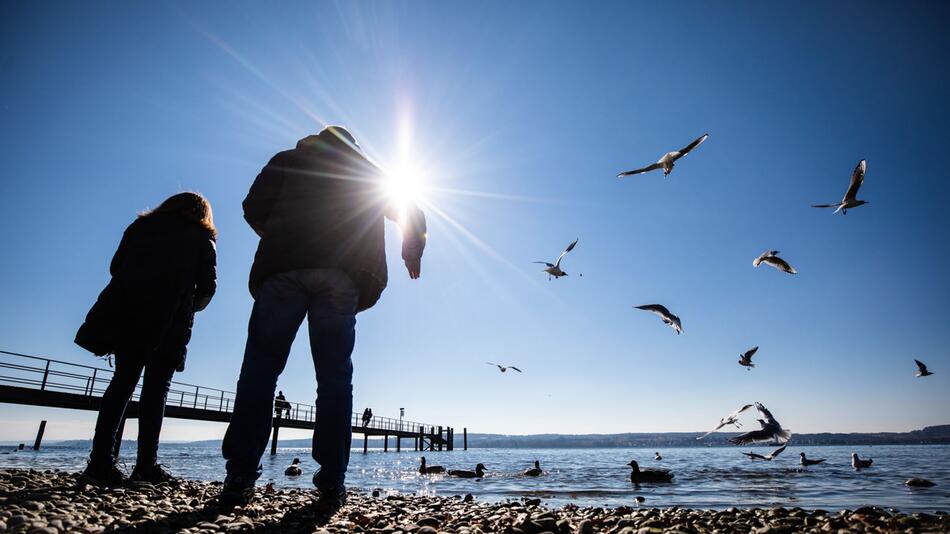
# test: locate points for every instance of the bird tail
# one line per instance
(784, 435)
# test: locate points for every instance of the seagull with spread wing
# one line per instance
(768, 457)
(664, 314)
(850, 199)
(731, 419)
(668, 160)
(770, 258)
(504, 368)
(770, 430)
(554, 269)
(922, 369)
(745, 359)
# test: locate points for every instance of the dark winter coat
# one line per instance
(162, 273)
(321, 206)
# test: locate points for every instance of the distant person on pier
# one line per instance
(319, 210)
(281, 404)
(367, 417)
(162, 273)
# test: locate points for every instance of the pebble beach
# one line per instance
(39, 502)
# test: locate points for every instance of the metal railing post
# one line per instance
(45, 375)
(196, 397)
(92, 387)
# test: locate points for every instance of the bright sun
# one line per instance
(404, 184)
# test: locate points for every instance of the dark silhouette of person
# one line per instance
(281, 404)
(162, 273)
(319, 210)
(367, 417)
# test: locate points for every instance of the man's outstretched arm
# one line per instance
(413, 223)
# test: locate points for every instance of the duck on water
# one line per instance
(638, 475)
(430, 469)
(479, 472)
(534, 471)
(294, 470)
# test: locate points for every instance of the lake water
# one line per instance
(715, 477)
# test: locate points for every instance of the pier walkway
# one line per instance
(36, 381)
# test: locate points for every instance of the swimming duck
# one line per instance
(638, 475)
(657, 457)
(806, 462)
(920, 483)
(429, 470)
(294, 470)
(479, 472)
(535, 471)
(858, 463)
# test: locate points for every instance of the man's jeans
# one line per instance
(328, 298)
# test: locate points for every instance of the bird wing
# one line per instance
(764, 412)
(658, 309)
(920, 366)
(544, 263)
(751, 437)
(688, 148)
(642, 170)
(857, 178)
(495, 364)
(835, 205)
(780, 264)
(515, 368)
(568, 249)
(776, 452)
(748, 354)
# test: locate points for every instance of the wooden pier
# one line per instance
(34, 381)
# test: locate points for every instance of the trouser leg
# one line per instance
(116, 398)
(279, 308)
(332, 324)
(155, 387)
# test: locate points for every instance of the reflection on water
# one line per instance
(704, 477)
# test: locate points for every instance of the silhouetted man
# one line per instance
(281, 404)
(319, 211)
(367, 417)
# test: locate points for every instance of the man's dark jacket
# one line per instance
(320, 205)
(162, 273)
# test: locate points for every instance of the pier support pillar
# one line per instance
(440, 439)
(386, 443)
(464, 438)
(118, 439)
(399, 443)
(365, 442)
(273, 440)
(39, 435)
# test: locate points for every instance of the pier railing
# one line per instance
(45, 374)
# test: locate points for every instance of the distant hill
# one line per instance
(928, 435)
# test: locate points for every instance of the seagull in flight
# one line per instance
(745, 359)
(668, 160)
(770, 258)
(771, 429)
(731, 419)
(922, 369)
(664, 314)
(554, 269)
(768, 457)
(850, 197)
(504, 368)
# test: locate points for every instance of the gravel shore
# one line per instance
(50, 502)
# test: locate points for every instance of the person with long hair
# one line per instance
(162, 273)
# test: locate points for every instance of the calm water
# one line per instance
(705, 477)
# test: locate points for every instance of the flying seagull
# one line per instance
(770, 258)
(850, 197)
(771, 429)
(745, 359)
(922, 369)
(554, 269)
(664, 314)
(668, 160)
(504, 368)
(768, 457)
(731, 419)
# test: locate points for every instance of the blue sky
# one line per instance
(519, 116)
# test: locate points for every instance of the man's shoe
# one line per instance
(153, 474)
(329, 501)
(102, 475)
(238, 491)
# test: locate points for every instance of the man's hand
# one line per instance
(414, 267)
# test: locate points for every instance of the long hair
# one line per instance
(189, 205)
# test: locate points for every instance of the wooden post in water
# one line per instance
(39, 435)
(464, 438)
(422, 438)
(398, 442)
(440, 438)
(451, 436)
(365, 442)
(273, 441)
(386, 443)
